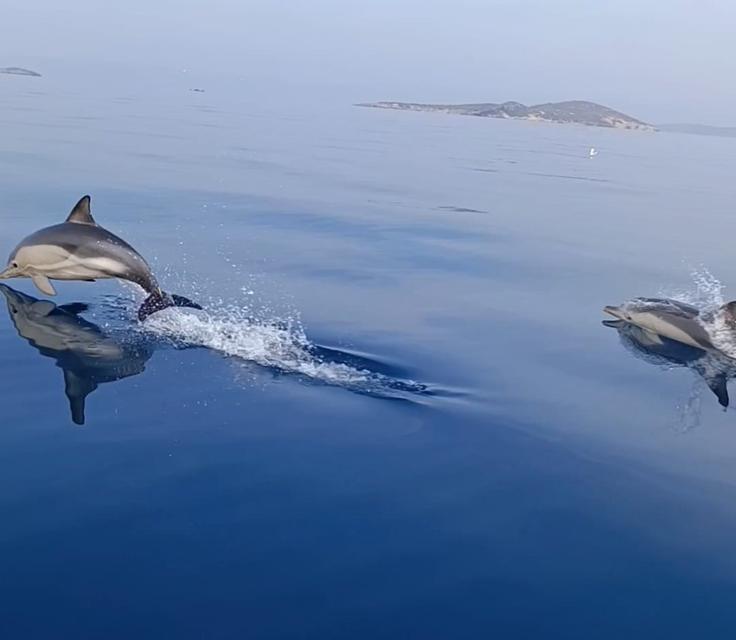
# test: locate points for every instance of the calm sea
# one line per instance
(399, 415)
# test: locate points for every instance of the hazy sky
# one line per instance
(666, 60)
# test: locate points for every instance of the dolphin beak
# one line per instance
(8, 293)
(615, 312)
(614, 324)
(9, 272)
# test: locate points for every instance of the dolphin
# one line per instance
(715, 368)
(80, 249)
(87, 356)
(669, 318)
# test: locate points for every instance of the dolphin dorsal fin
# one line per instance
(77, 389)
(81, 213)
(42, 307)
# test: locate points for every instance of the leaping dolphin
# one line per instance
(80, 249)
(87, 356)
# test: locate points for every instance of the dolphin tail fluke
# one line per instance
(159, 300)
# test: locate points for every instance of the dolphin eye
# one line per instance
(15, 265)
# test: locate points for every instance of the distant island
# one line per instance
(570, 112)
(18, 71)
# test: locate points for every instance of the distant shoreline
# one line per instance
(570, 112)
(698, 130)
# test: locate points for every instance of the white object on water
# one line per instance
(592, 152)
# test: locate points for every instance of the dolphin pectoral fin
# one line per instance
(718, 386)
(614, 324)
(77, 389)
(43, 284)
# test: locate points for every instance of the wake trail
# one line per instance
(277, 345)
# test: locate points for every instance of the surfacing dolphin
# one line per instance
(80, 249)
(672, 319)
(87, 355)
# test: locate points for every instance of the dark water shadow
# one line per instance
(566, 177)
(456, 209)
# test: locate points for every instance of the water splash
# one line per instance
(706, 292)
(708, 297)
(690, 412)
(720, 328)
(279, 345)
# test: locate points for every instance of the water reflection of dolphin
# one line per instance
(714, 367)
(87, 355)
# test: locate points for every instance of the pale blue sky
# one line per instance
(663, 61)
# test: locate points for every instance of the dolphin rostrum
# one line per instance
(87, 356)
(80, 249)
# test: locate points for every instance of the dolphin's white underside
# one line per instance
(57, 263)
(661, 326)
(681, 330)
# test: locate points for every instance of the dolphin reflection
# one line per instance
(87, 356)
(715, 368)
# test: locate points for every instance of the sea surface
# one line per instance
(399, 414)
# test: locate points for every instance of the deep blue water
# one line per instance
(399, 415)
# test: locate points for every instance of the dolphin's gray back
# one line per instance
(668, 306)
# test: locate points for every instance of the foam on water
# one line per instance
(707, 295)
(256, 331)
(722, 333)
(706, 292)
(280, 345)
